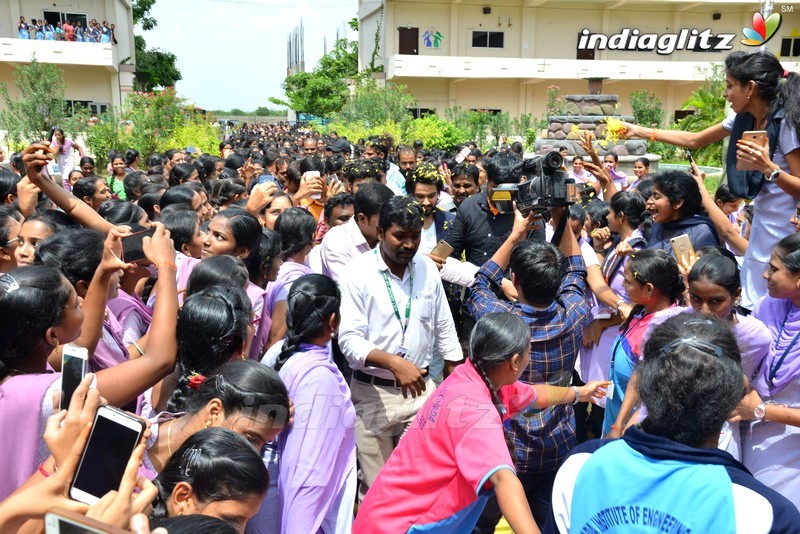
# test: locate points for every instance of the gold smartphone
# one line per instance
(758, 137)
(442, 249)
(682, 248)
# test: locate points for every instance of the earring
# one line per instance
(208, 423)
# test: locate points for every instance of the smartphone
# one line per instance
(74, 363)
(133, 245)
(461, 156)
(690, 158)
(64, 522)
(115, 434)
(268, 179)
(442, 249)
(682, 248)
(308, 176)
(758, 137)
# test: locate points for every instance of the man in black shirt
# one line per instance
(479, 228)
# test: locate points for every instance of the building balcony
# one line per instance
(62, 53)
(538, 70)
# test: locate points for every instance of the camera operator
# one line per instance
(480, 228)
(551, 284)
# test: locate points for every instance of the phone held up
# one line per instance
(758, 137)
(682, 249)
(114, 436)
(58, 521)
(74, 363)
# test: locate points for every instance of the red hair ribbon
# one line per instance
(786, 74)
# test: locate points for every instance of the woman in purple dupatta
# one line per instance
(297, 229)
(771, 442)
(317, 467)
(78, 253)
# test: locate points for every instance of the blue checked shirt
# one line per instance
(542, 439)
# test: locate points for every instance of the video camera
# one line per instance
(547, 186)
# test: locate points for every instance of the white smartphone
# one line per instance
(74, 363)
(115, 434)
(461, 156)
(308, 176)
(64, 522)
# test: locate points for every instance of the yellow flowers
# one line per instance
(614, 130)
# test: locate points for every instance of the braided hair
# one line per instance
(495, 339)
(311, 301)
(212, 327)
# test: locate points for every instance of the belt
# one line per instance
(361, 376)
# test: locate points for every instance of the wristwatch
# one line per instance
(760, 411)
(774, 175)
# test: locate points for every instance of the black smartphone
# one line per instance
(133, 245)
(114, 436)
(64, 522)
(74, 362)
(690, 158)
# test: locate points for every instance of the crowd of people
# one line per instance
(43, 30)
(323, 335)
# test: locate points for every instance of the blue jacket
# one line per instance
(646, 483)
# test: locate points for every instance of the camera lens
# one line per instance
(553, 160)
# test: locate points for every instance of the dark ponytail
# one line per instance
(312, 300)
(212, 326)
(495, 339)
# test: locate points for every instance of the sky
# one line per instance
(232, 53)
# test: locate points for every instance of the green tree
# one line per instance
(39, 106)
(372, 105)
(709, 109)
(648, 109)
(154, 67)
(324, 90)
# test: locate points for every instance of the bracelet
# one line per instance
(619, 303)
(577, 395)
(43, 471)
(653, 136)
(615, 427)
(138, 348)
(166, 264)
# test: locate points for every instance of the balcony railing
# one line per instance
(59, 52)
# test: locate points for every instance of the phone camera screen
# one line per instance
(71, 528)
(105, 457)
(72, 372)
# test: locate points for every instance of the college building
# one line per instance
(97, 75)
(503, 55)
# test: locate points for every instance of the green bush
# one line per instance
(435, 133)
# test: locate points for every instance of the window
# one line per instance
(54, 17)
(682, 114)
(418, 113)
(95, 108)
(490, 111)
(790, 47)
(482, 39)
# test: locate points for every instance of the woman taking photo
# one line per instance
(655, 287)
(764, 96)
(676, 206)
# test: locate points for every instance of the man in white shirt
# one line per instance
(358, 235)
(393, 311)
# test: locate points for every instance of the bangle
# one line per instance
(577, 395)
(138, 348)
(653, 135)
(616, 427)
(44, 472)
(166, 264)
(619, 303)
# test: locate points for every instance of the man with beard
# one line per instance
(406, 161)
(393, 312)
